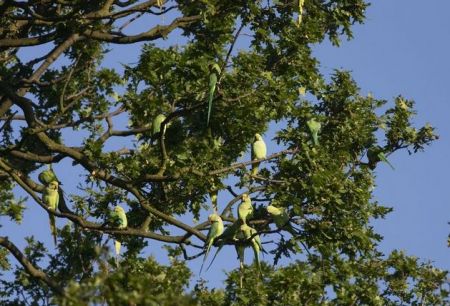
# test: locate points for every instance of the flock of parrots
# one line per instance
(240, 233)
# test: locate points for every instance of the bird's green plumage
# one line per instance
(50, 197)
(119, 219)
(279, 215)
(281, 219)
(214, 72)
(245, 209)
(156, 125)
(374, 155)
(314, 128)
(228, 234)
(255, 242)
(259, 151)
(47, 176)
(215, 231)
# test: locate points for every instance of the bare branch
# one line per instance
(27, 41)
(157, 32)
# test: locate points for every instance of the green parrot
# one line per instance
(281, 219)
(245, 209)
(156, 126)
(47, 176)
(119, 219)
(228, 234)
(50, 197)
(376, 154)
(214, 72)
(259, 151)
(314, 129)
(215, 231)
(255, 242)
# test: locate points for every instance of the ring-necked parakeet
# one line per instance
(314, 129)
(156, 126)
(215, 231)
(259, 151)
(228, 234)
(50, 197)
(281, 219)
(214, 72)
(374, 155)
(119, 219)
(255, 242)
(47, 176)
(245, 209)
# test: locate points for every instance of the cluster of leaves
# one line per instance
(161, 179)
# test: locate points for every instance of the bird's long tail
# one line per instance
(117, 246)
(217, 252)
(315, 139)
(383, 158)
(210, 100)
(53, 227)
(204, 258)
(241, 253)
(255, 168)
(257, 258)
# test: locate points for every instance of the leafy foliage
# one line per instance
(82, 113)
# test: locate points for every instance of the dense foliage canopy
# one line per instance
(266, 77)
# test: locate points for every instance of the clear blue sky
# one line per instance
(402, 48)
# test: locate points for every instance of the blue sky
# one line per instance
(403, 49)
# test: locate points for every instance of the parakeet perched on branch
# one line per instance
(47, 176)
(228, 234)
(314, 129)
(247, 233)
(259, 151)
(214, 73)
(119, 219)
(374, 155)
(156, 126)
(281, 219)
(215, 231)
(245, 209)
(50, 197)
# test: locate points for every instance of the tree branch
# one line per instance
(30, 268)
(158, 31)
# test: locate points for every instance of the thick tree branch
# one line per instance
(27, 41)
(155, 33)
(30, 187)
(29, 267)
(30, 156)
(52, 56)
(243, 164)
